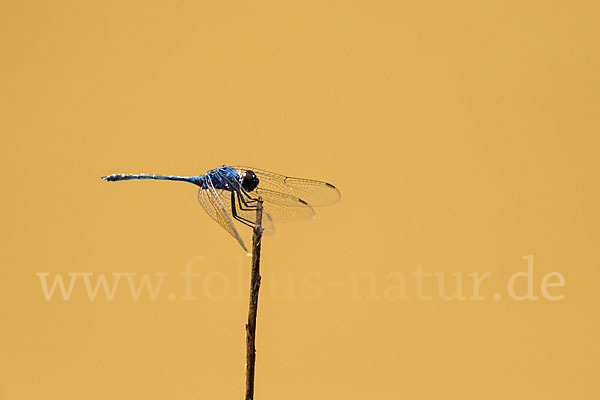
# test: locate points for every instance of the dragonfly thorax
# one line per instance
(249, 180)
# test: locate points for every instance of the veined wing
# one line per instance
(315, 193)
(212, 204)
(249, 214)
(283, 207)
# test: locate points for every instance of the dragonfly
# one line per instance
(231, 193)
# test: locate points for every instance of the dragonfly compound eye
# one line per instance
(249, 180)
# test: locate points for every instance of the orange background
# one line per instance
(462, 135)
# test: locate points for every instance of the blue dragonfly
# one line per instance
(230, 193)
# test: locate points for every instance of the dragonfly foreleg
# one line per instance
(246, 199)
(234, 211)
(249, 198)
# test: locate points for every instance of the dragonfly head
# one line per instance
(249, 180)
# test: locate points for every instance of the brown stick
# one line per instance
(253, 306)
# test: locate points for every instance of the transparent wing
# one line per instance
(284, 207)
(250, 214)
(315, 193)
(212, 204)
